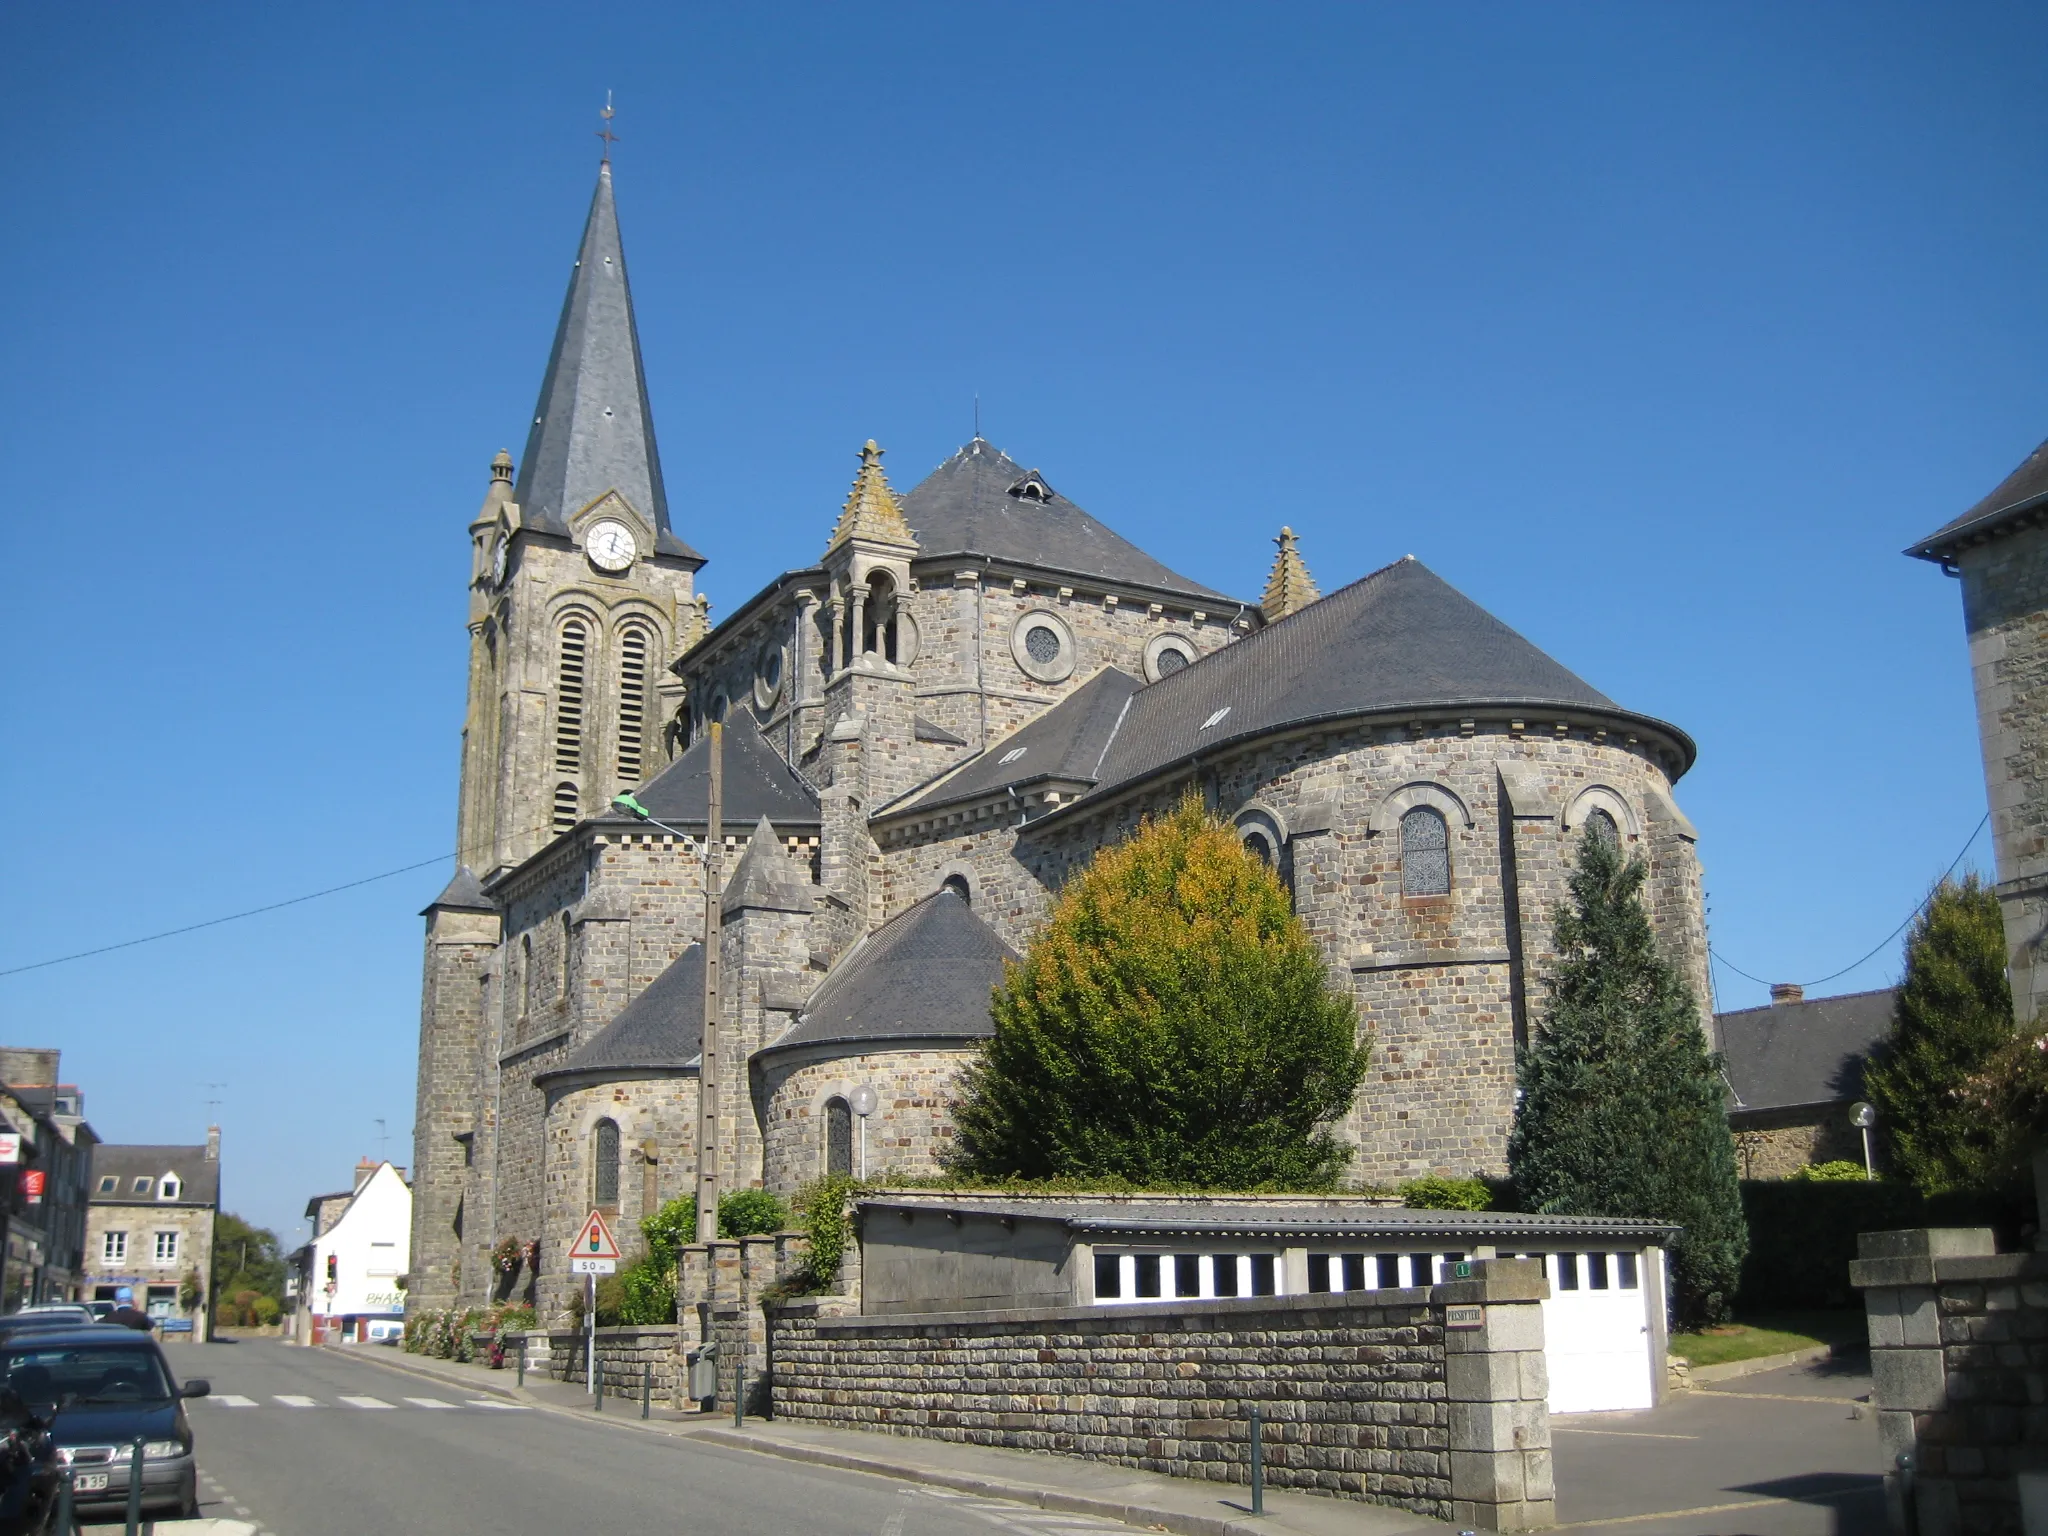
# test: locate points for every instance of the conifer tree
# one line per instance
(1623, 1111)
(1172, 1024)
(1952, 1018)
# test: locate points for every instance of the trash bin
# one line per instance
(704, 1375)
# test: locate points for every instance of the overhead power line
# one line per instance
(1879, 946)
(235, 917)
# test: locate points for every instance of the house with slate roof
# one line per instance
(976, 685)
(1795, 1072)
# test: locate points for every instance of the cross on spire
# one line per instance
(604, 129)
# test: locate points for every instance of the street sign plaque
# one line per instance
(581, 1264)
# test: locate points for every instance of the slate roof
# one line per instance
(964, 508)
(464, 893)
(767, 879)
(1066, 742)
(198, 1177)
(925, 974)
(592, 428)
(1221, 1218)
(1803, 1053)
(2024, 490)
(661, 1029)
(1401, 638)
(757, 783)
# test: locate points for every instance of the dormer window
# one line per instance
(1032, 488)
(142, 1185)
(167, 1187)
(109, 1183)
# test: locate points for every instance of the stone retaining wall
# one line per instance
(625, 1353)
(1368, 1399)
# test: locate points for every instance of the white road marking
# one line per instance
(1626, 1434)
(485, 1402)
(297, 1402)
(366, 1402)
(428, 1402)
(231, 1400)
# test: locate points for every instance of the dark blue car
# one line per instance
(103, 1388)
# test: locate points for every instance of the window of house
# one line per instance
(141, 1186)
(167, 1247)
(167, 1187)
(1108, 1277)
(113, 1247)
(605, 1184)
(1187, 1274)
(108, 1184)
(1425, 853)
(838, 1136)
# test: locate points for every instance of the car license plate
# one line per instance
(89, 1482)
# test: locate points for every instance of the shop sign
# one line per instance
(10, 1146)
(32, 1184)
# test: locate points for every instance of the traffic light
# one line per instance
(333, 1267)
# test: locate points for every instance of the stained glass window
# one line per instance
(1425, 853)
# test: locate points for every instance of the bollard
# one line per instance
(522, 1364)
(65, 1518)
(646, 1386)
(1909, 1510)
(1258, 1463)
(739, 1392)
(597, 1383)
(135, 1488)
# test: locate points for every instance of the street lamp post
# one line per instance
(1863, 1117)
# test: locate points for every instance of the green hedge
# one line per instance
(1802, 1233)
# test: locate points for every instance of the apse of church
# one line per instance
(975, 686)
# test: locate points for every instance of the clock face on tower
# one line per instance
(609, 543)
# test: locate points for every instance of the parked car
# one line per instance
(102, 1389)
(384, 1330)
(58, 1311)
(99, 1309)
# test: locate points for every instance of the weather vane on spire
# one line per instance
(604, 130)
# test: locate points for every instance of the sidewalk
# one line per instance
(1068, 1484)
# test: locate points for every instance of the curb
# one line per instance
(1734, 1370)
(1145, 1515)
(420, 1373)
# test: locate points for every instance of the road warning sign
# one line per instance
(595, 1251)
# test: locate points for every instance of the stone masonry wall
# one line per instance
(1959, 1374)
(2005, 610)
(909, 1132)
(1368, 1400)
(625, 1356)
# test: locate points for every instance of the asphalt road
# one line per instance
(312, 1443)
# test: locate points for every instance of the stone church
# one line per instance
(973, 686)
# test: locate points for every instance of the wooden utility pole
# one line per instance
(708, 1072)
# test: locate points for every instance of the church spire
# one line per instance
(1290, 588)
(872, 512)
(592, 430)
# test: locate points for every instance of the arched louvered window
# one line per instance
(604, 1186)
(568, 800)
(636, 655)
(572, 676)
(838, 1136)
(1425, 853)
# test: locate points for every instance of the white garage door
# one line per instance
(1596, 1331)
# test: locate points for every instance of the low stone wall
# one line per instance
(1959, 1368)
(625, 1353)
(1369, 1399)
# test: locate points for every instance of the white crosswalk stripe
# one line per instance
(366, 1402)
(485, 1402)
(428, 1402)
(230, 1400)
(294, 1401)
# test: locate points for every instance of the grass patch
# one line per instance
(1769, 1334)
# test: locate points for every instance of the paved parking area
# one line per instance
(1777, 1454)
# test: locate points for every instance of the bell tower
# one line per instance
(581, 592)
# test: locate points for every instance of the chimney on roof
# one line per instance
(364, 1171)
(1787, 992)
(28, 1066)
(213, 1143)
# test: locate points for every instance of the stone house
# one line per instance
(1795, 1069)
(149, 1225)
(43, 1198)
(973, 687)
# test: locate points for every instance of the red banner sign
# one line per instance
(32, 1185)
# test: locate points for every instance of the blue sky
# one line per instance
(1657, 330)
